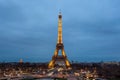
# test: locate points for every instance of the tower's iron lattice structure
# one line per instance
(59, 46)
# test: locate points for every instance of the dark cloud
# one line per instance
(28, 29)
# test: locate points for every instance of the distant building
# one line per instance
(21, 61)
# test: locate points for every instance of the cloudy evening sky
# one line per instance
(28, 29)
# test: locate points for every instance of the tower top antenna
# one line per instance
(60, 11)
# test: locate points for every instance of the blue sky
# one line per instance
(28, 29)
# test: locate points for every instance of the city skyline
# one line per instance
(91, 30)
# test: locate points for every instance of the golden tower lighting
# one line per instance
(59, 47)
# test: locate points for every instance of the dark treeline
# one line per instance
(105, 70)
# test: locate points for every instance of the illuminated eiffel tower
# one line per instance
(56, 58)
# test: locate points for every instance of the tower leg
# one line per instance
(65, 57)
(67, 63)
(52, 62)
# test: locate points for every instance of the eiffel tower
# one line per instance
(59, 47)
